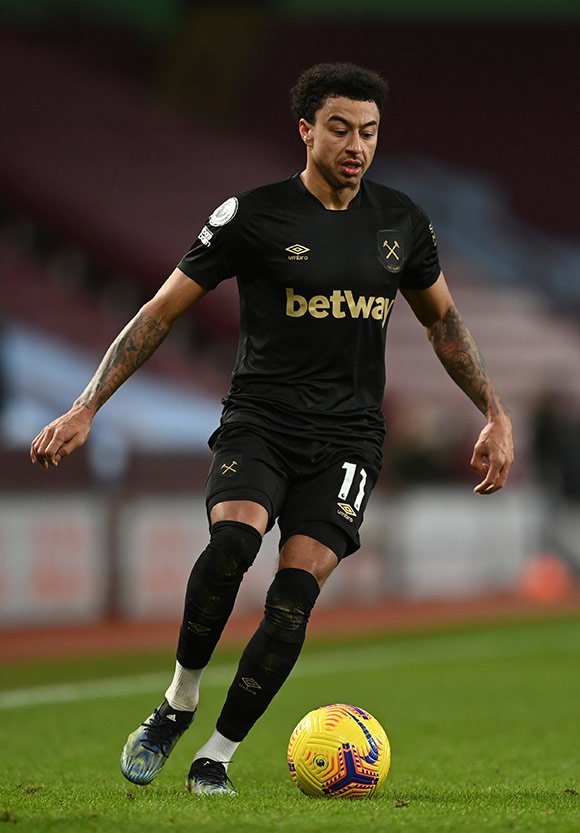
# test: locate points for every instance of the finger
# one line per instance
(38, 460)
(483, 489)
(61, 446)
(492, 483)
(35, 445)
(52, 452)
(68, 447)
(37, 452)
(476, 460)
(480, 460)
(39, 442)
(491, 475)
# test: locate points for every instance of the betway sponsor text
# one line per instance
(340, 304)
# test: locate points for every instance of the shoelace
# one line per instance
(211, 772)
(159, 732)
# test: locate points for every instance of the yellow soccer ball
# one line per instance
(339, 751)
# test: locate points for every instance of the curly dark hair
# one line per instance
(324, 81)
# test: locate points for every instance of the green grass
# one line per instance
(484, 725)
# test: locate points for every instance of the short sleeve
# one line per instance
(215, 254)
(422, 268)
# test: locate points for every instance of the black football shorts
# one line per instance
(310, 487)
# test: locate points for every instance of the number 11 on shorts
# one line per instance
(347, 483)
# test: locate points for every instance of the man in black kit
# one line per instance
(319, 258)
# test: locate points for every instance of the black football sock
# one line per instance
(212, 589)
(271, 653)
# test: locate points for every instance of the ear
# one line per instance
(305, 130)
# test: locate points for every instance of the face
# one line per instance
(342, 141)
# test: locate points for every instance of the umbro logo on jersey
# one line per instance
(297, 252)
(345, 510)
(339, 305)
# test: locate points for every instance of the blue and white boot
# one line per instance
(149, 746)
(207, 777)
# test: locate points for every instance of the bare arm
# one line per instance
(131, 349)
(457, 351)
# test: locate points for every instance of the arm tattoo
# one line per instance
(132, 347)
(460, 356)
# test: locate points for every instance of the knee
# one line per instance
(231, 551)
(289, 602)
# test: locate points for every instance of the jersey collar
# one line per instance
(306, 194)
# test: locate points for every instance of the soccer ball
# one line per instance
(339, 751)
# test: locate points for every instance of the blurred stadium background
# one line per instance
(122, 125)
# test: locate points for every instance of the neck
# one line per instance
(333, 198)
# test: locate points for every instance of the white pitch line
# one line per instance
(96, 689)
(461, 648)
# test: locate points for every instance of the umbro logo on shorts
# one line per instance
(345, 510)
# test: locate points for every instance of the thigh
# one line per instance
(329, 505)
(305, 553)
(245, 468)
(244, 511)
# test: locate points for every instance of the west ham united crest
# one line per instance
(391, 247)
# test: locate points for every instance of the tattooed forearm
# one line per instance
(460, 356)
(132, 347)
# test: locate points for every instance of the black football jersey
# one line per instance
(317, 288)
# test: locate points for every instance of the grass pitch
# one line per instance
(484, 725)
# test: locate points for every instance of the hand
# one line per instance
(493, 455)
(61, 437)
